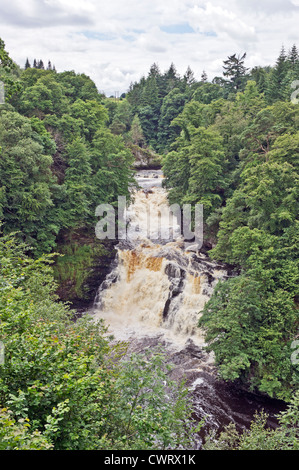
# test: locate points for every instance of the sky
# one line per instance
(115, 42)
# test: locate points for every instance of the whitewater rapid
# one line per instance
(157, 287)
(154, 296)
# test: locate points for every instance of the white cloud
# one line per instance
(270, 7)
(116, 42)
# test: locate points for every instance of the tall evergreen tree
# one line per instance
(204, 76)
(171, 78)
(235, 69)
(27, 64)
(150, 94)
(293, 57)
(278, 83)
(259, 75)
(189, 76)
(154, 71)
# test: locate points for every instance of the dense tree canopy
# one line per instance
(239, 158)
(59, 160)
(231, 144)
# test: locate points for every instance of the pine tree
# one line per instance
(49, 65)
(189, 76)
(170, 78)
(278, 82)
(293, 57)
(259, 75)
(204, 76)
(235, 69)
(150, 94)
(154, 71)
(35, 64)
(27, 65)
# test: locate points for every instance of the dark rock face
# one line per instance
(176, 276)
(99, 271)
(79, 277)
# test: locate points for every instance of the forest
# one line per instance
(231, 144)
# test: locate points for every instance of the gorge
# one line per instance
(153, 297)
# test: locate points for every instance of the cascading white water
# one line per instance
(154, 296)
(157, 286)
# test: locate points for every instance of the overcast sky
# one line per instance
(116, 41)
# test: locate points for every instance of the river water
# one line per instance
(153, 297)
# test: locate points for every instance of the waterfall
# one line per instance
(157, 287)
(154, 295)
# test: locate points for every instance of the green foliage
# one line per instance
(78, 185)
(172, 105)
(78, 86)
(65, 380)
(152, 409)
(58, 158)
(27, 182)
(46, 96)
(231, 145)
(72, 269)
(92, 115)
(207, 92)
(17, 435)
(122, 118)
(235, 69)
(195, 170)
(5, 60)
(252, 337)
(157, 100)
(136, 134)
(239, 158)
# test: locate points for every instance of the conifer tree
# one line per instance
(278, 83)
(293, 57)
(171, 78)
(150, 94)
(236, 71)
(259, 75)
(27, 65)
(204, 76)
(154, 71)
(189, 76)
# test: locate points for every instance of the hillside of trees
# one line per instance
(238, 155)
(231, 144)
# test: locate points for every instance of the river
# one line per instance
(153, 296)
